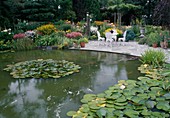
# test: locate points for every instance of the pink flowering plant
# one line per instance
(19, 36)
(74, 35)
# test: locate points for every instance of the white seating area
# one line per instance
(111, 38)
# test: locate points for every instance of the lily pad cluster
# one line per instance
(128, 99)
(42, 69)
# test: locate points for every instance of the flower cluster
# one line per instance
(93, 29)
(98, 23)
(47, 29)
(30, 34)
(19, 36)
(74, 35)
(119, 31)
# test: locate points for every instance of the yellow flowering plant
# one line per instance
(47, 29)
(98, 23)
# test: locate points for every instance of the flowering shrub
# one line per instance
(47, 29)
(19, 36)
(119, 31)
(6, 35)
(30, 34)
(107, 30)
(74, 35)
(98, 23)
(93, 29)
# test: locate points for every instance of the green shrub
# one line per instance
(5, 36)
(23, 44)
(136, 29)
(5, 46)
(155, 58)
(153, 37)
(46, 40)
(142, 40)
(53, 40)
(65, 27)
(130, 35)
(60, 22)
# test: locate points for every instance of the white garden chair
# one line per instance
(124, 37)
(123, 40)
(99, 37)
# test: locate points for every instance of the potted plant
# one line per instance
(153, 39)
(83, 41)
(164, 39)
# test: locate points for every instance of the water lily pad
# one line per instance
(42, 69)
(101, 113)
(164, 105)
(167, 96)
(150, 104)
(145, 112)
(136, 99)
(121, 103)
(121, 99)
(71, 113)
(89, 97)
(131, 113)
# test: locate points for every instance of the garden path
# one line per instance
(130, 48)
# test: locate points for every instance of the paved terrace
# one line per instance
(130, 48)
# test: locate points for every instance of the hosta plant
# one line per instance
(42, 69)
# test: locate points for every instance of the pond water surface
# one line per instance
(53, 98)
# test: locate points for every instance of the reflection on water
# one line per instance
(53, 98)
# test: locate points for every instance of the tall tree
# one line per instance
(81, 7)
(120, 8)
(161, 14)
(66, 10)
(37, 10)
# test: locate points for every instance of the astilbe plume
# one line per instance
(74, 35)
(19, 36)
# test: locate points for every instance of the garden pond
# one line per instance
(53, 98)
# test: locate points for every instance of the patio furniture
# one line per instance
(124, 37)
(109, 38)
(114, 34)
(99, 37)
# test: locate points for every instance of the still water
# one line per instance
(53, 98)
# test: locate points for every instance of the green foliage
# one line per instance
(42, 69)
(5, 46)
(65, 27)
(130, 35)
(55, 39)
(24, 26)
(136, 29)
(161, 14)
(38, 11)
(83, 39)
(46, 40)
(5, 36)
(155, 58)
(142, 40)
(128, 98)
(22, 44)
(153, 37)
